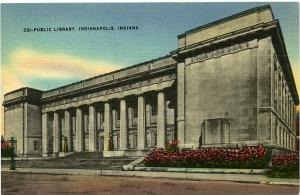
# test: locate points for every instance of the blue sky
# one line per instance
(46, 60)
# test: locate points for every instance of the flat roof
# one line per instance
(234, 16)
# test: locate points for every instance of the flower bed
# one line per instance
(238, 157)
(288, 161)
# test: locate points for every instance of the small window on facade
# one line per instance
(154, 109)
(118, 115)
(135, 112)
(35, 145)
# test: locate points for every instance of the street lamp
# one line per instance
(12, 160)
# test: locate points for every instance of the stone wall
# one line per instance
(222, 87)
(240, 21)
(34, 129)
(13, 124)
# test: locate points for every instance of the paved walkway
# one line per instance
(39, 183)
(174, 175)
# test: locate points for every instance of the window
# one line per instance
(117, 115)
(154, 109)
(135, 112)
(86, 123)
(36, 145)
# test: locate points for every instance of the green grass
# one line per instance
(289, 174)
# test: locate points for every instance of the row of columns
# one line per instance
(283, 137)
(141, 131)
(284, 104)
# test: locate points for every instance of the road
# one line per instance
(27, 183)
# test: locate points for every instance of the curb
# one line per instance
(170, 175)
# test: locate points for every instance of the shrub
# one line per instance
(238, 157)
(289, 161)
(5, 149)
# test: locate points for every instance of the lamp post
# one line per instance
(12, 160)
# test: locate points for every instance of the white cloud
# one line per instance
(57, 65)
(26, 64)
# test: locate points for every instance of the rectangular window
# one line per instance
(35, 145)
(154, 109)
(117, 115)
(135, 112)
(86, 123)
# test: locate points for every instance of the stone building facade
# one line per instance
(229, 82)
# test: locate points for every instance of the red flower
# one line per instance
(209, 157)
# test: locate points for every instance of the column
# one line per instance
(226, 133)
(56, 137)
(92, 128)
(180, 103)
(68, 132)
(286, 107)
(291, 114)
(25, 129)
(289, 140)
(107, 126)
(281, 136)
(293, 117)
(79, 129)
(289, 110)
(282, 97)
(284, 138)
(141, 123)
(44, 134)
(123, 125)
(277, 133)
(161, 120)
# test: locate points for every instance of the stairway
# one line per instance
(79, 160)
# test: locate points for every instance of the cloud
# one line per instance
(58, 65)
(27, 64)
(10, 81)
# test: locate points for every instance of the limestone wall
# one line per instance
(13, 124)
(222, 87)
(34, 129)
(226, 26)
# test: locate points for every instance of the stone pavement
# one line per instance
(38, 183)
(173, 175)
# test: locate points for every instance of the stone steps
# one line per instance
(75, 161)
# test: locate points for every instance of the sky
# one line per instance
(46, 60)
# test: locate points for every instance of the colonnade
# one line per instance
(58, 134)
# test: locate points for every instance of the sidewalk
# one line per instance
(173, 175)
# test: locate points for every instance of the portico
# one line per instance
(130, 123)
(125, 120)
